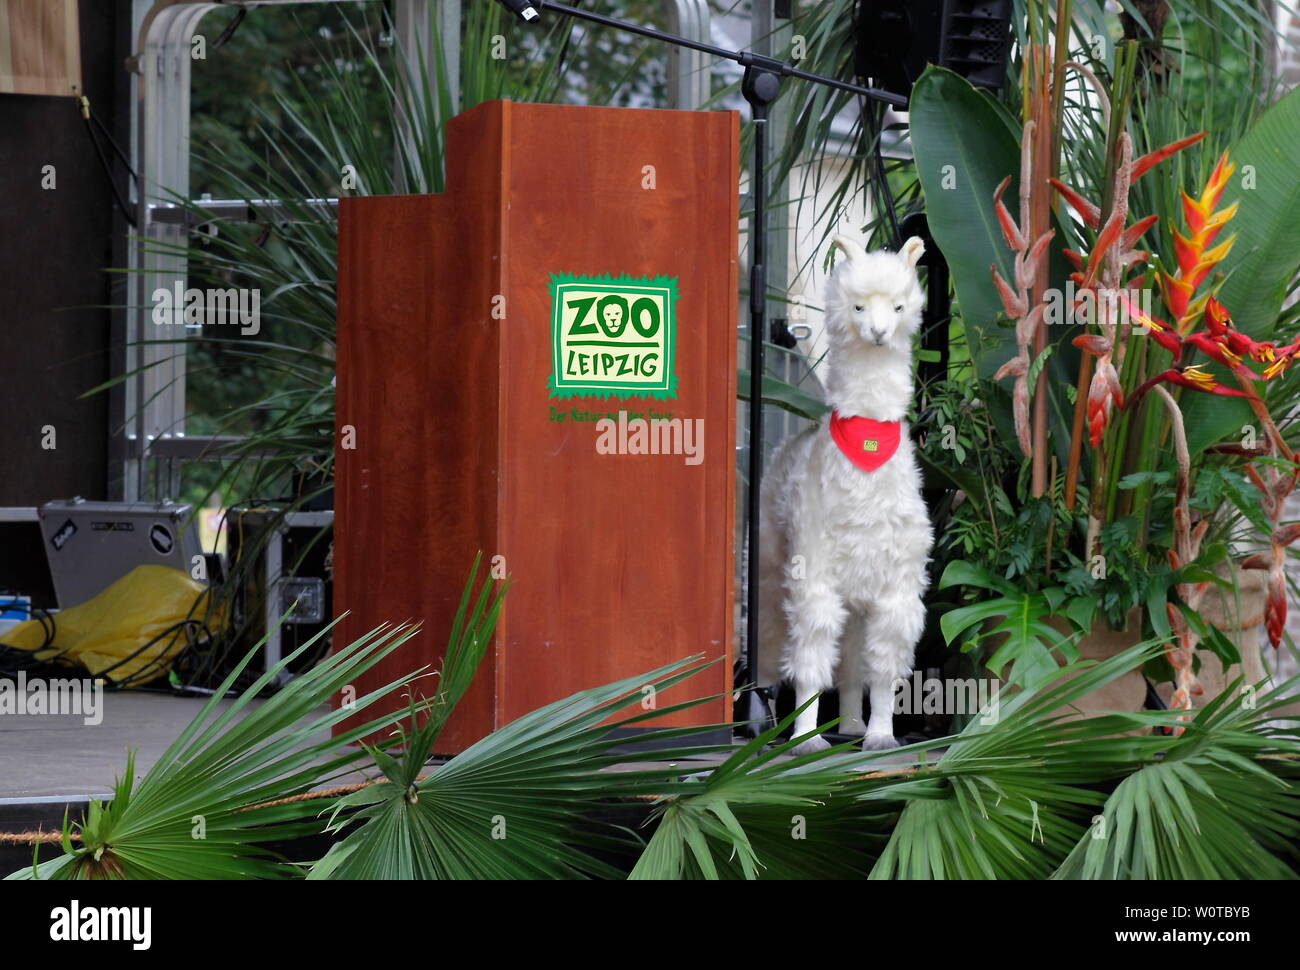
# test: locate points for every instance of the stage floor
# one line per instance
(50, 763)
(59, 756)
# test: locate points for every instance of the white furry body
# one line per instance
(844, 552)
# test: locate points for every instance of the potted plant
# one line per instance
(1131, 460)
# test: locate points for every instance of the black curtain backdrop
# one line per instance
(56, 337)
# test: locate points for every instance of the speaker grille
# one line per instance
(897, 38)
(976, 39)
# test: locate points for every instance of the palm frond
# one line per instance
(201, 811)
(1010, 799)
(1221, 803)
(525, 801)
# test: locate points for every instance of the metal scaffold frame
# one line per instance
(151, 411)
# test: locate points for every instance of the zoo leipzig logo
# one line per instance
(613, 336)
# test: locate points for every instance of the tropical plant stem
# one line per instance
(1040, 221)
(1135, 458)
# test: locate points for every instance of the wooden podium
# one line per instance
(580, 267)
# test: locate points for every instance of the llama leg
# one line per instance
(852, 676)
(816, 615)
(894, 625)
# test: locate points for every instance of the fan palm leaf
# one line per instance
(521, 802)
(201, 812)
(1221, 803)
(763, 814)
(1011, 798)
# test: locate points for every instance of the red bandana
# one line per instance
(866, 443)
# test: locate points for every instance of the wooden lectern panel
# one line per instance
(580, 266)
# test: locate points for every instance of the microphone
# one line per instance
(521, 7)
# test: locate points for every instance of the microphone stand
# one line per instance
(760, 86)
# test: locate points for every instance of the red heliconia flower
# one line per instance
(1088, 212)
(1286, 534)
(1226, 351)
(1160, 332)
(1192, 253)
(1218, 324)
(1217, 319)
(1152, 159)
(1194, 377)
(1103, 393)
(1282, 357)
(1016, 295)
(1092, 343)
(1012, 233)
(1242, 346)
(1214, 349)
(1275, 606)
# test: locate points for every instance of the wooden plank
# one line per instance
(40, 47)
(635, 549)
(417, 378)
(621, 563)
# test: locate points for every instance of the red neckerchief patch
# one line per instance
(866, 443)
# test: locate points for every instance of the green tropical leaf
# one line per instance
(1221, 803)
(787, 396)
(755, 816)
(961, 572)
(963, 149)
(1012, 794)
(518, 803)
(209, 804)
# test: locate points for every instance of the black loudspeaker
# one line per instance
(896, 39)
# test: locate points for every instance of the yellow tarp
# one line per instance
(102, 632)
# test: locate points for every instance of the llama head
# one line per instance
(874, 300)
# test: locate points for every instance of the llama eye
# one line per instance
(898, 308)
(857, 306)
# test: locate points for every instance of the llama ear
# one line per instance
(912, 250)
(850, 248)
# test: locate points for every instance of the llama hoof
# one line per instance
(851, 728)
(879, 742)
(811, 746)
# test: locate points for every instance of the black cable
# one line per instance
(14, 660)
(184, 624)
(883, 194)
(170, 631)
(187, 626)
(40, 615)
(84, 104)
(117, 149)
(231, 27)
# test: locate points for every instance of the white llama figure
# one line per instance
(846, 535)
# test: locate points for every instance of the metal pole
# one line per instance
(760, 88)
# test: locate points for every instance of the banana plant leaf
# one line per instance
(965, 143)
(787, 396)
(963, 148)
